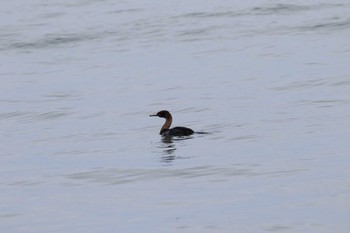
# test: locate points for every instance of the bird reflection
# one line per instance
(167, 139)
(169, 148)
(168, 144)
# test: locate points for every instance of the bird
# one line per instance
(176, 131)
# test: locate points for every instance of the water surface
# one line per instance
(269, 80)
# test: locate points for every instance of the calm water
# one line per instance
(270, 81)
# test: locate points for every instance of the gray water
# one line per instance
(268, 80)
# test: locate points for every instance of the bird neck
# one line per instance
(167, 123)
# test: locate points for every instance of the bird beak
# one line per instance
(153, 115)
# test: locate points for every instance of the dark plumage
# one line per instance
(176, 131)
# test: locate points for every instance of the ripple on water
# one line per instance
(117, 176)
(52, 40)
(25, 117)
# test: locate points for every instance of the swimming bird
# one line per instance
(166, 131)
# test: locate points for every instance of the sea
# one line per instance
(266, 82)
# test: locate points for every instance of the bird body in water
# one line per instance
(176, 131)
